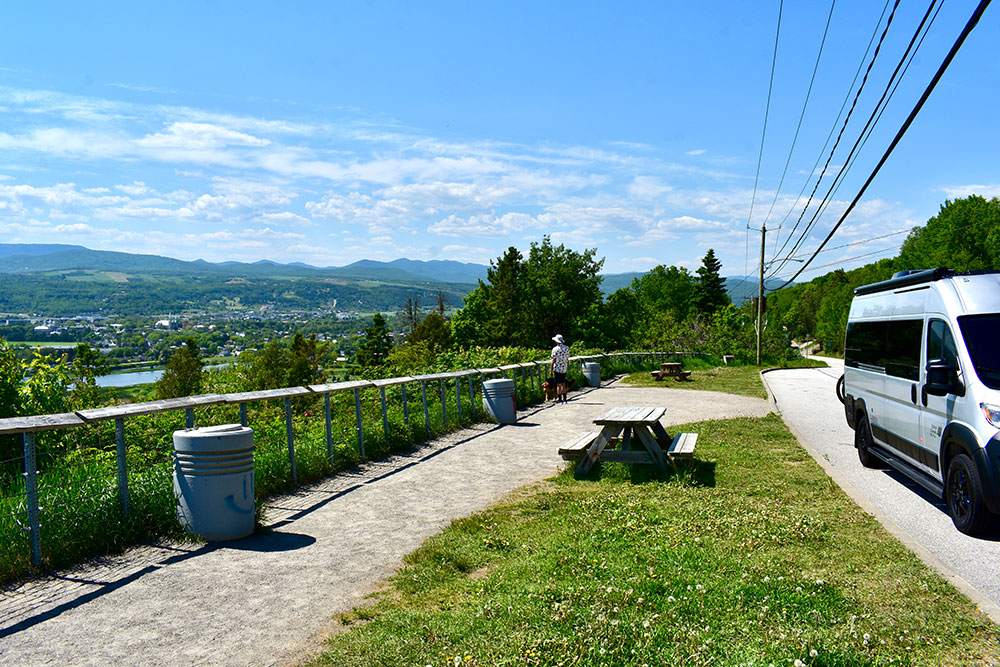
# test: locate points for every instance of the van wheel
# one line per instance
(964, 496)
(841, 395)
(863, 442)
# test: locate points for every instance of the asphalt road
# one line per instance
(808, 404)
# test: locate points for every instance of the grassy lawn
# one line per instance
(753, 556)
(741, 380)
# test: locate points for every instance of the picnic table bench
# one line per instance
(672, 370)
(633, 425)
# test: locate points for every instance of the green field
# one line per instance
(752, 557)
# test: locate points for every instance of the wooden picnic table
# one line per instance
(634, 426)
(671, 369)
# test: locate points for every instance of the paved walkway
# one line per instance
(268, 599)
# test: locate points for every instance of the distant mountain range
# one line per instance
(39, 258)
(56, 278)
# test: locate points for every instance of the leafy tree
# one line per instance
(527, 301)
(264, 369)
(963, 236)
(666, 289)
(710, 289)
(182, 376)
(377, 344)
(434, 331)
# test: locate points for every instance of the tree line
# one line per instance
(963, 236)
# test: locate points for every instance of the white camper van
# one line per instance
(922, 385)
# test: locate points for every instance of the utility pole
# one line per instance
(760, 291)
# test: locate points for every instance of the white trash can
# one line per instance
(498, 400)
(213, 481)
(592, 373)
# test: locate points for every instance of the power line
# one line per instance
(868, 128)
(843, 127)
(802, 115)
(767, 111)
(847, 96)
(859, 242)
(969, 26)
(763, 132)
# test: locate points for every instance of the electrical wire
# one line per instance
(802, 115)
(843, 127)
(885, 106)
(891, 86)
(969, 26)
(840, 112)
(763, 132)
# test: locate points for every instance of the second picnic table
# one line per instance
(634, 425)
(671, 369)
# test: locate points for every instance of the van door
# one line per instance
(937, 411)
(899, 427)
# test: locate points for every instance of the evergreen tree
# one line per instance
(710, 288)
(182, 376)
(304, 358)
(377, 344)
(88, 364)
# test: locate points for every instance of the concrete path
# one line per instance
(807, 401)
(268, 599)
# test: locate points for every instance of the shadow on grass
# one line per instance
(690, 473)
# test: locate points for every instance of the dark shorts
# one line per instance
(560, 377)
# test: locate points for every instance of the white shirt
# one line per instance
(560, 353)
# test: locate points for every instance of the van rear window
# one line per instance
(982, 340)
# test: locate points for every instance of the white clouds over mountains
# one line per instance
(184, 182)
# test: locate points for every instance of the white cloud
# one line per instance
(960, 191)
(285, 219)
(487, 224)
(696, 151)
(199, 137)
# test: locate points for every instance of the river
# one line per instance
(134, 378)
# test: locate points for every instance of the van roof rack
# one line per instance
(906, 279)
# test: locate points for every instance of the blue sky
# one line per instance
(327, 132)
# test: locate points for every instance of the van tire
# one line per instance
(863, 442)
(964, 496)
(841, 395)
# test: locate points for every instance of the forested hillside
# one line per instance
(963, 236)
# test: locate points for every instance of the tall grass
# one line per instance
(80, 509)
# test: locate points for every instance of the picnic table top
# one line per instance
(631, 416)
(670, 365)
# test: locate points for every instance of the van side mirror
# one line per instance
(939, 378)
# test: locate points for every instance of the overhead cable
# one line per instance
(843, 127)
(969, 26)
(829, 136)
(802, 115)
(876, 114)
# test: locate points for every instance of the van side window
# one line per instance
(941, 345)
(902, 349)
(892, 346)
(864, 344)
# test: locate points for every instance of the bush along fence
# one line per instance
(72, 494)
